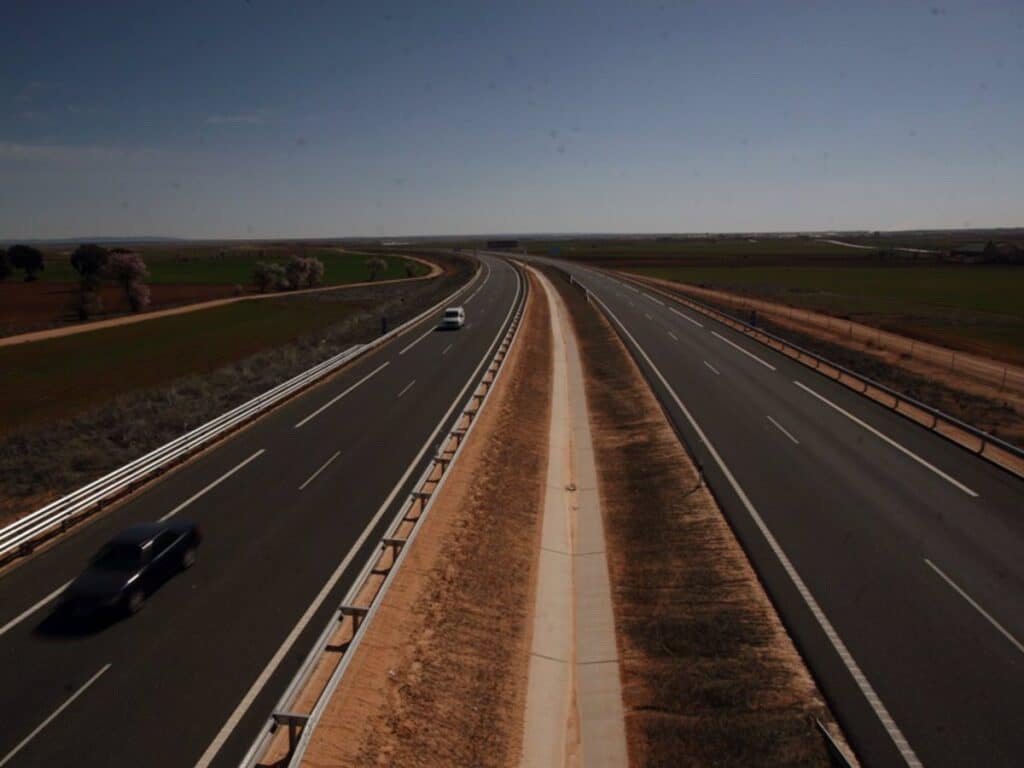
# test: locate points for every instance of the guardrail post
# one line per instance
(357, 614)
(294, 722)
(395, 544)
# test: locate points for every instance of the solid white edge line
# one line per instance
(783, 430)
(686, 317)
(51, 718)
(322, 468)
(889, 440)
(335, 399)
(421, 338)
(709, 365)
(254, 690)
(29, 611)
(751, 355)
(211, 486)
(407, 387)
(866, 689)
(1005, 633)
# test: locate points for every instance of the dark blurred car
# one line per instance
(130, 566)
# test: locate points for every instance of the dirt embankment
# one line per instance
(974, 395)
(709, 675)
(440, 677)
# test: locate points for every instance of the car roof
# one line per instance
(143, 532)
(454, 309)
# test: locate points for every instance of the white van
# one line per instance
(454, 318)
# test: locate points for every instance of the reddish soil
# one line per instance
(440, 678)
(35, 306)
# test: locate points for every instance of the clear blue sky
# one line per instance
(321, 119)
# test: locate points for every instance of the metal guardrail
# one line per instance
(20, 537)
(385, 560)
(783, 345)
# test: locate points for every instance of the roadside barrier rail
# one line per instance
(299, 709)
(997, 451)
(22, 536)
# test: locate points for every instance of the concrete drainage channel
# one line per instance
(286, 734)
(21, 537)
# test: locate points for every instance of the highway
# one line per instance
(896, 558)
(289, 509)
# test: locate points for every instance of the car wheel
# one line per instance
(135, 601)
(188, 558)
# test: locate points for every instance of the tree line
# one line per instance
(93, 263)
(302, 272)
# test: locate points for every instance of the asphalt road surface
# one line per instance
(283, 507)
(895, 557)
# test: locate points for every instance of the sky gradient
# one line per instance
(323, 119)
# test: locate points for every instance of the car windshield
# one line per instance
(452, 313)
(117, 556)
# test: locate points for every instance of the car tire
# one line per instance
(136, 599)
(188, 558)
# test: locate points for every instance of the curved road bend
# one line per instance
(295, 493)
(911, 547)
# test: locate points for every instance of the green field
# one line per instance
(979, 308)
(701, 249)
(50, 378)
(219, 265)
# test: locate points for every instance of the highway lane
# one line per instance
(909, 547)
(281, 505)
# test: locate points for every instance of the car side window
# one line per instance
(163, 541)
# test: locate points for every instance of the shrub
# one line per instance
(138, 295)
(89, 260)
(316, 272)
(296, 272)
(28, 259)
(89, 303)
(130, 270)
(376, 265)
(268, 276)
